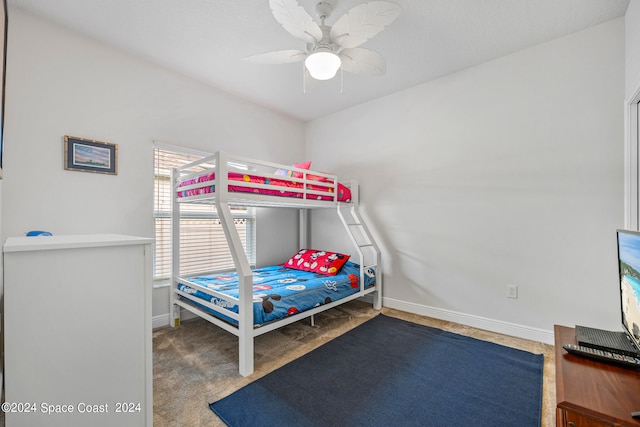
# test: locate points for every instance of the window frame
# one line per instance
(162, 210)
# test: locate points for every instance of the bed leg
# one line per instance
(176, 316)
(313, 320)
(377, 300)
(246, 355)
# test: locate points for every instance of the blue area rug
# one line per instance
(391, 372)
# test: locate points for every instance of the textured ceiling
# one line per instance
(208, 39)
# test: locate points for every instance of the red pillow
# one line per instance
(321, 262)
(304, 165)
(318, 178)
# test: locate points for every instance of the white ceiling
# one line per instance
(208, 39)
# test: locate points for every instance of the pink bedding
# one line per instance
(344, 193)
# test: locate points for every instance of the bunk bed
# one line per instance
(246, 302)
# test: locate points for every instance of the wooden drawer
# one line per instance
(566, 418)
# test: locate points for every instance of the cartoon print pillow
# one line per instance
(294, 174)
(321, 262)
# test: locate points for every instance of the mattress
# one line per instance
(268, 186)
(280, 292)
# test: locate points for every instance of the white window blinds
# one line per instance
(203, 246)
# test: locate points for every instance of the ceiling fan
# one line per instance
(330, 48)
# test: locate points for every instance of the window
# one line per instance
(203, 246)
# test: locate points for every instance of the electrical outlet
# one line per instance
(512, 291)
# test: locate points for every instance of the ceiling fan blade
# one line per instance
(277, 57)
(295, 19)
(363, 22)
(363, 61)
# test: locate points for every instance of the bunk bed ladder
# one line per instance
(363, 241)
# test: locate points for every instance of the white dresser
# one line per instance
(77, 331)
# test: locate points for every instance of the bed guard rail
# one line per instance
(245, 181)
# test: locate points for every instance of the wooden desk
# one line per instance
(590, 393)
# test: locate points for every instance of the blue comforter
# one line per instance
(280, 292)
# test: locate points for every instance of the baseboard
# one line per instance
(498, 326)
(493, 325)
(160, 321)
(165, 319)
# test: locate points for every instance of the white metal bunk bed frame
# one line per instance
(222, 163)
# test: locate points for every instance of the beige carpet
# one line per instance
(197, 363)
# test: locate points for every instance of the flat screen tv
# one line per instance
(629, 274)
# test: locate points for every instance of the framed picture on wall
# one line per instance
(4, 21)
(88, 155)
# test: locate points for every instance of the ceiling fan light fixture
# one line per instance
(323, 65)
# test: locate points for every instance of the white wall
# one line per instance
(510, 172)
(632, 48)
(632, 97)
(61, 83)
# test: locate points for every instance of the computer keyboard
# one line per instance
(603, 356)
(614, 341)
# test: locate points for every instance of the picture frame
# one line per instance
(88, 155)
